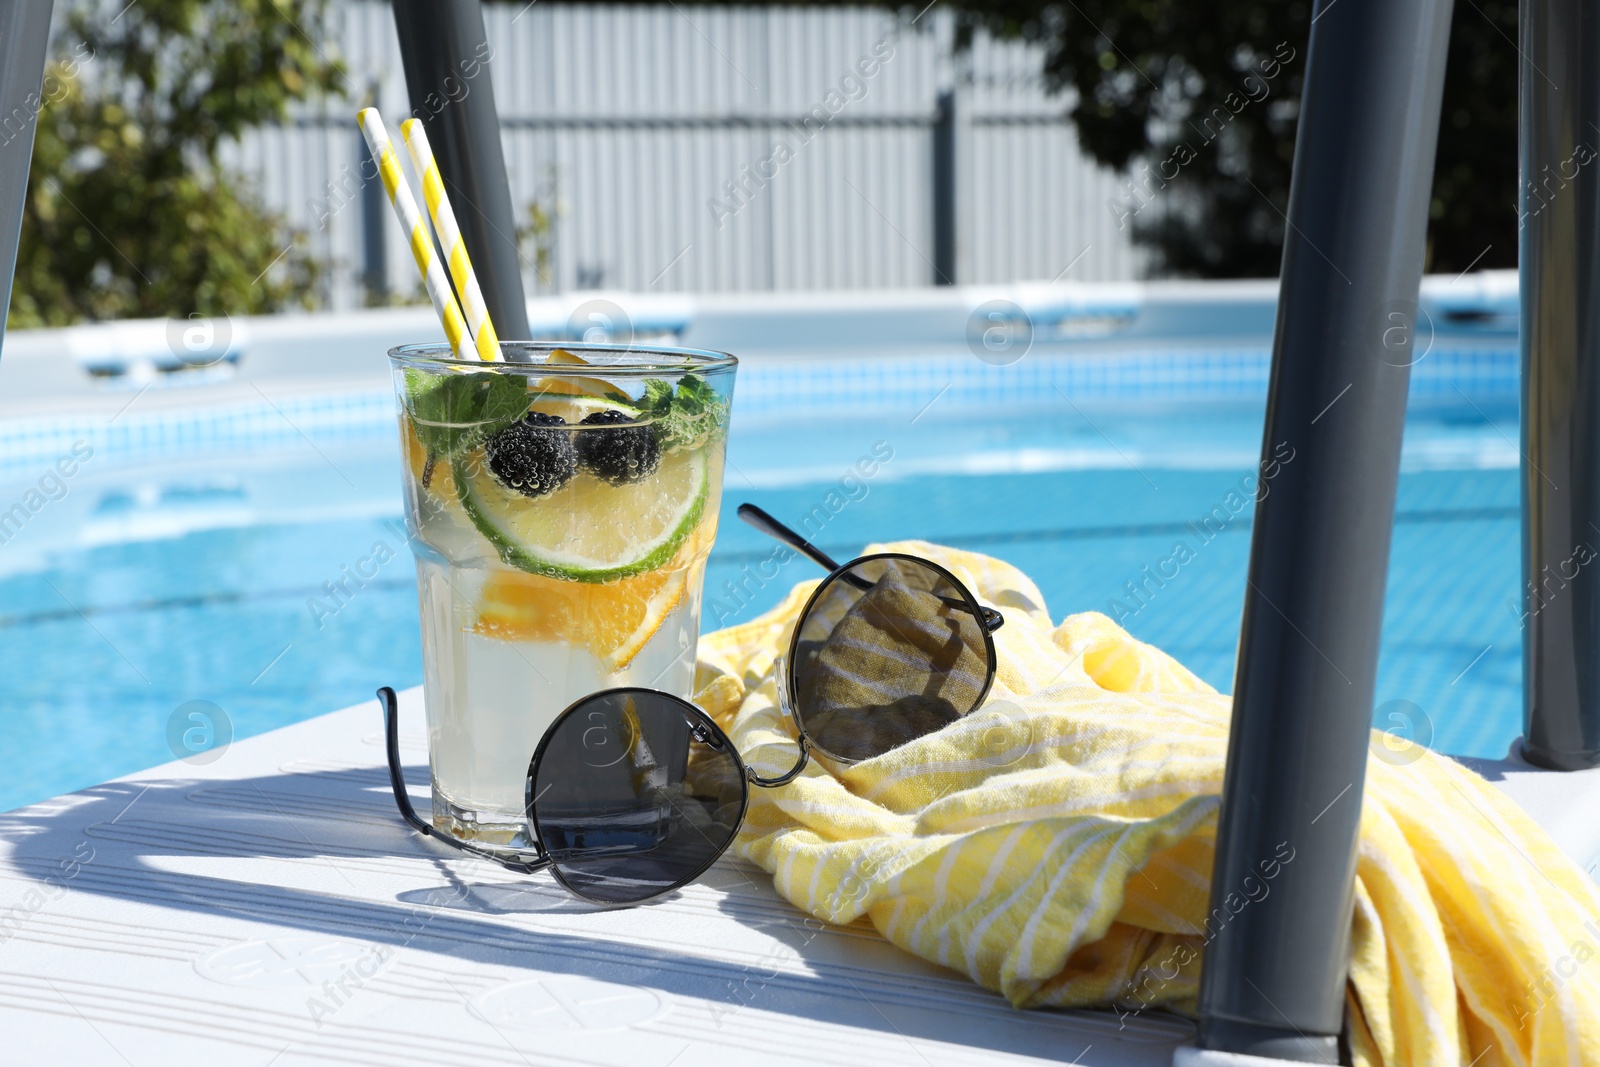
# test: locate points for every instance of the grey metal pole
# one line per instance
(1281, 894)
(1559, 214)
(944, 189)
(24, 37)
(446, 55)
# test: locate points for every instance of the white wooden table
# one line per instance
(270, 908)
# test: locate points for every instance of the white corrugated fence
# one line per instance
(683, 148)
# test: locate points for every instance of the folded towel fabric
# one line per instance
(1055, 845)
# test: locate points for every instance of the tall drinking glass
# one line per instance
(561, 506)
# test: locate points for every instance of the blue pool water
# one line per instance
(189, 574)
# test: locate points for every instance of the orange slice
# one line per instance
(613, 620)
(440, 481)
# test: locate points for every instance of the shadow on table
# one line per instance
(117, 841)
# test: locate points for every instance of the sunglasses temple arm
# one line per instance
(992, 620)
(402, 799)
(770, 526)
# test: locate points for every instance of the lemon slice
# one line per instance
(571, 384)
(588, 530)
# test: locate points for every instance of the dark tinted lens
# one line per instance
(628, 802)
(889, 650)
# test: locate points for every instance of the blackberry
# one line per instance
(532, 455)
(621, 455)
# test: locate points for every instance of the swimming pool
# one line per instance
(198, 566)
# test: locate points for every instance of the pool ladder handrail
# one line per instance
(1273, 981)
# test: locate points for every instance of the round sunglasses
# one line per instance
(633, 792)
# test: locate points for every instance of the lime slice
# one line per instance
(588, 530)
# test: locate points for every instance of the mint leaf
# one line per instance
(456, 412)
(694, 395)
(689, 416)
(657, 399)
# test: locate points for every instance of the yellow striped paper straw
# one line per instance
(438, 286)
(455, 249)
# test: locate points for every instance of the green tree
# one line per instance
(130, 211)
(536, 238)
(1182, 87)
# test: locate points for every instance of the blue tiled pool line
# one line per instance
(772, 386)
(178, 564)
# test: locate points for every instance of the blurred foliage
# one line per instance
(1151, 75)
(130, 212)
(1475, 182)
(1197, 100)
(1145, 75)
(536, 236)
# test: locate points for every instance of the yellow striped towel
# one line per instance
(1056, 846)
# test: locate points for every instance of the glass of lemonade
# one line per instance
(561, 505)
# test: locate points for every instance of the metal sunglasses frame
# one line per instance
(534, 859)
(531, 860)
